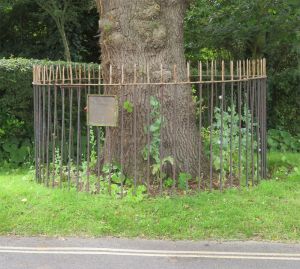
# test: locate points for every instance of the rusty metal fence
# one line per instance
(142, 147)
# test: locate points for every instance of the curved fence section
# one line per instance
(160, 129)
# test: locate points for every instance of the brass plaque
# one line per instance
(102, 110)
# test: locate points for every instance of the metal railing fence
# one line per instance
(204, 129)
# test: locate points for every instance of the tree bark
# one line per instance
(148, 33)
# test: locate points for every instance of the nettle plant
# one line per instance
(231, 141)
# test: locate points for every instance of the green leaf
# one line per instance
(128, 106)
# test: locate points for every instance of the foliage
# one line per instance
(244, 28)
(16, 109)
(183, 179)
(108, 182)
(231, 140)
(27, 31)
(128, 106)
(153, 151)
(63, 13)
(283, 164)
(280, 140)
(16, 106)
(250, 29)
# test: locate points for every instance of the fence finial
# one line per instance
(212, 71)
(207, 68)
(63, 75)
(223, 71)
(99, 74)
(244, 69)
(265, 67)
(80, 74)
(33, 74)
(50, 74)
(122, 74)
(71, 73)
(200, 71)
(89, 74)
(44, 74)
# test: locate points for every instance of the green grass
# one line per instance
(270, 211)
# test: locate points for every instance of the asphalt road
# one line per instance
(109, 253)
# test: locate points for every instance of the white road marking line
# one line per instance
(140, 253)
(148, 251)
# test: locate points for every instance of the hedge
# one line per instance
(16, 109)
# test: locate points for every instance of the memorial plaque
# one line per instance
(102, 110)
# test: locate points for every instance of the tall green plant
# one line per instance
(153, 150)
(232, 133)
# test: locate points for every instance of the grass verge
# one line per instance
(269, 211)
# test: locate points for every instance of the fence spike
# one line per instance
(50, 75)
(33, 74)
(71, 73)
(247, 69)
(223, 71)
(80, 73)
(212, 71)
(207, 68)
(63, 75)
(122, 74)
(99, 74)
(84, 72)
(215, 66)
(89, 74)
(44, 74)
(244, 68)
(56, 74)
(200, 71)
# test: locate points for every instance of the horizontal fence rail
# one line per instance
(177, 129)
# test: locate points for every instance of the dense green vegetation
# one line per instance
(28, 30)
(250, 29)
(268, 211)
(68, 30)
(16, 109)
(213, 29)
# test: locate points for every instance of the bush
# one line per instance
(280, 140)
(284, 100)
(16, 109)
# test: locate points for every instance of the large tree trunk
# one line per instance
(149, 33)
